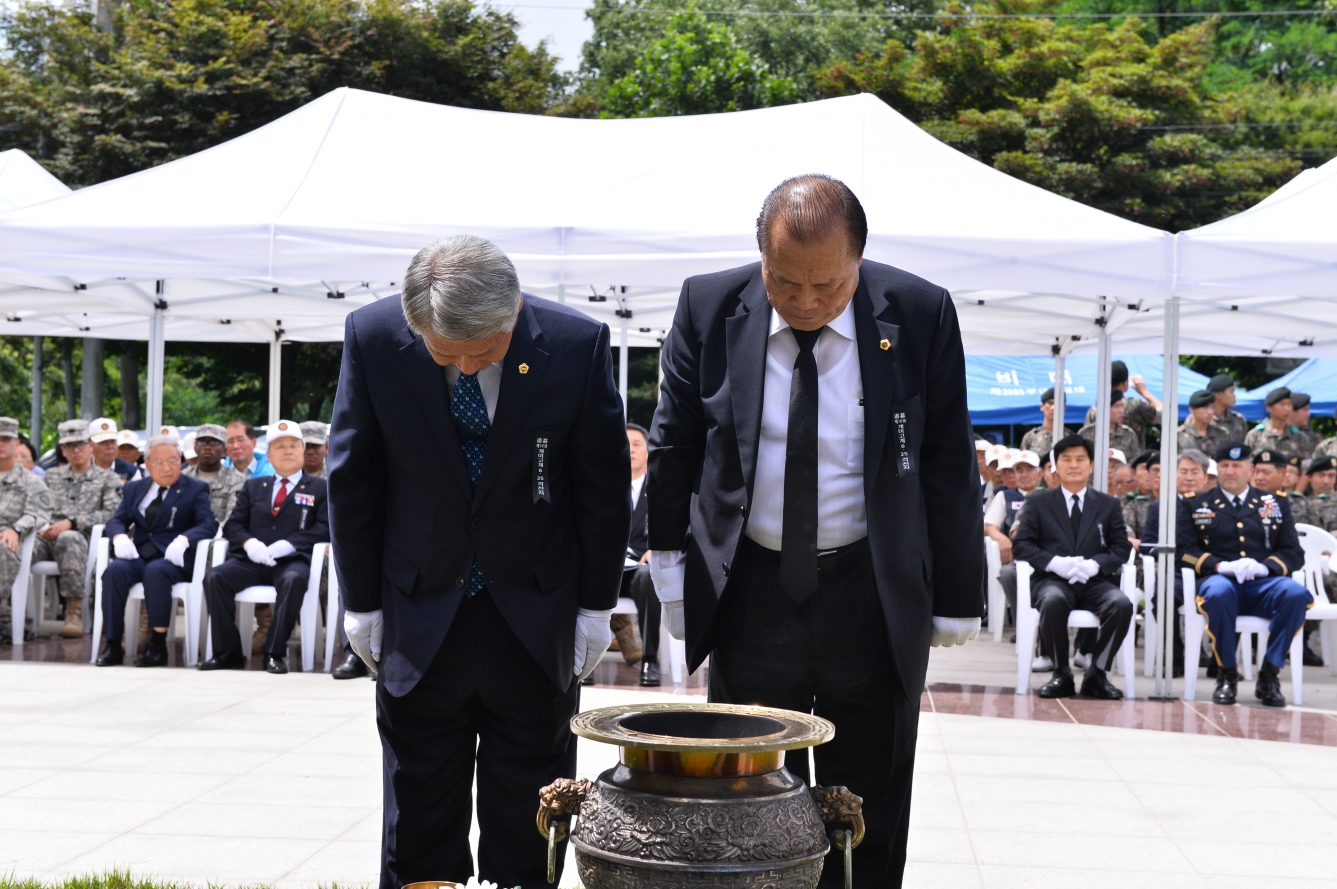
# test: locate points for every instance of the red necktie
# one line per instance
(281, 495)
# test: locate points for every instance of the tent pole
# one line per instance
(156, 357)
(1060, 397)
(1169, 510)
(561, 293)
(275, 375)
(624, 353)
(1103, 387)
(35, 427)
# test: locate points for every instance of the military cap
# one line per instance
(188, 446)
(170, 432)
(1048, 396)
(1220, 383)
(1277, 394)
(1117, 456)
(1323, 464)
(102, 429)
(9, 427)
(1270, 457)
(1073, 441)
(994, 454)
(1293, 460)
(315, 432)
(1030, 458)
(1211, 468)
(210, 430)
(1299, 400)
(1115, 397)
(73, 431)
(283, 429)
(1201, 398)
(127, 437)
(1118, 373)
(1233, 450)
(983, 444)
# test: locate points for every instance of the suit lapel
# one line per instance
(1089, 519)
(429, 382)
(513, 400)
(745, 339)
(877, 368)
(165, 511)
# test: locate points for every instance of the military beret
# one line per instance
(1048, 396)
(1276, 395)
(1299, 400)
(73, 431)
(1118, 373)
(102, 429)
(211, 430)
(1293, 460)
(317, 433)
(1220, 383)
(1115, 397)
(1233, 450)
(1270, 457)
(1201, 398)
(1153, 459)
(9, 427)
(1323, 464)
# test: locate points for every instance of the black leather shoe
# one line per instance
(1097, 685)
(351, 668)
(649, 674)
(225, 660)
(1312, 658)
(1226, 681)
(275, 665)
(1061, 686)
(112, 656)
(1268, 687)
(156, 653)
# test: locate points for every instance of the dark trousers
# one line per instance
(1056, 599)
(1279, 599)
(157, 577)
(637, 586)
(828, 656)
(1155, 606)
(483, 707)
(221, 585)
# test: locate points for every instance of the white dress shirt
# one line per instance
(278, 483)
(636, 485)
(1080, 495)
(489, 381)
(841, 514)
(149, 498)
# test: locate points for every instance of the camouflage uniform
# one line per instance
(223, 488)
(1121, 437)
(25, 504)
(85, 498)
(1040, 440)
(1309, 442)
(1264, 437)
(1135, 508)
(1137, 416)
(1236, 426)
(1209, 442)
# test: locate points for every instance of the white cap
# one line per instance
(994, 454)
(127, 437)
(102, 429)
(1028, 457)
(1117, 456)
(283, 429)
(1211, 467)
(170, 432)
(188, 446)
(982, 444)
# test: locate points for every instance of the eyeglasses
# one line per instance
(162, 464)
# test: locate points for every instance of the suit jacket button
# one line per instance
(459, 583)
(475, 523)
(726, 569)
(742, 510)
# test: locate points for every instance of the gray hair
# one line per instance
(1196, 456)
(462, 288)
(158, 440)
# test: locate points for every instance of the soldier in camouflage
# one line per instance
(82, 495)
(1309, 438)
(1139, 413)
(1121, 436)
(25, 503)
(1276, 432)
(1136, 503)
(1200, 430)
(316, 437)
(224, 482)
(1222, 387)
(1040, 439)
(1320, 504)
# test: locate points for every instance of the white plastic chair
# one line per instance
(1320, 548)
(22, 589)
(190, 593)
(993, 559)
(1246, 627)
(1028, 624)
(47, 568)
(309, 617)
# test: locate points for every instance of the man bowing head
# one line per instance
(814, 495)
(478, 479)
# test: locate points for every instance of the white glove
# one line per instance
(364, 631)
(280, 549)
(1229, 569)
(176, 551)
(124, 547)
(1250, 569)
(257, 552)
(1063, 566)
(949, 631)
(593, 636)
(674, 616)
(1085, 570)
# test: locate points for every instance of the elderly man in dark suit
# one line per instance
(636, 582)
(479, 508)
(153, 534)
(814, 496)
(1075, 539)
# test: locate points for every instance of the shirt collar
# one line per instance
(1068, 495)
(292, 479)
(842, 324)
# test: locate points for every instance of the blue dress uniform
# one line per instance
(1211, 530)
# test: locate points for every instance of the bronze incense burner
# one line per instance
(701, 798)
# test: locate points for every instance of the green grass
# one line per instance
(118, 879)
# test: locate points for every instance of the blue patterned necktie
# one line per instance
(469, 413)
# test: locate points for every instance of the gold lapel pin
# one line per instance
(523, 368)
(885, 345)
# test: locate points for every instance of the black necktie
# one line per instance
(1075, 516)
(152, 512)
(147, 551)
(798, 537)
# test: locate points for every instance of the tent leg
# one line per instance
(155, 368)
(35, 429)
(92, 378)
(1060, 396)
(624, 353)
(1103, 388)
(1165, 549)
(275, 375)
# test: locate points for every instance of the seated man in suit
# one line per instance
(170, 514)
(636, 584)
(277, 520)
(1075, 539)
(1241, 541)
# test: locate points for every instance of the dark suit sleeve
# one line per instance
(601, 482)
(1117, 545)
(949, 476)
(317, 531)
(1026, 537)
(237, 528)
(678, 434)
(205, 524)
(1151, 530)
(1288, 557)
(1191, 553)
(123, 517)
(356, 483)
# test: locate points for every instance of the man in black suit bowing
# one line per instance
(479, 508)
(276, 521)
(814, 495)
(169, 515)
(1075, 538)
